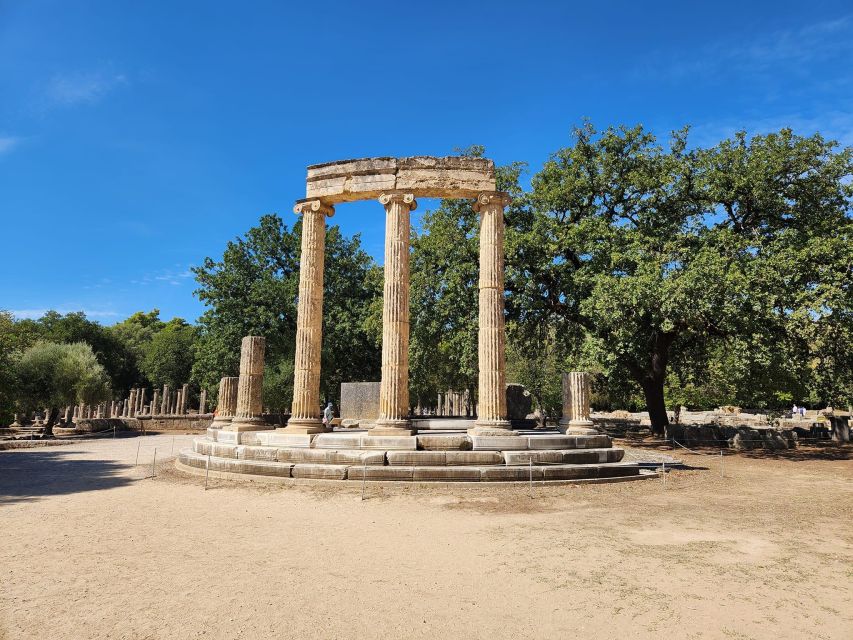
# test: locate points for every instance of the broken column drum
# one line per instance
(576, 391)
(250, 386)
(226, 403)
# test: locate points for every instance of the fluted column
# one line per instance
(226, 404)
(305, 411)
(250, 387)
(492, 414)
(576, 390)
(394, 389)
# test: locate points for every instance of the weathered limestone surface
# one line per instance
(250, 386)
(491, 410)
(305, 414)
(394, 389)
(423, 176)
(227, 402)
(576, 391)
(360, 400)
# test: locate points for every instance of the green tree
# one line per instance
(669, 259)
(252, 290)
(55, 375)
(168, 357)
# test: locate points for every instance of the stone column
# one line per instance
(202, 402)
(250, 387)
(155, 402)
(185, 395)
(492, 414)
(177, 409)
(164, 406)
(226, 404)
(394, 389)
(140, 400)
(305, 411)
(575, 418)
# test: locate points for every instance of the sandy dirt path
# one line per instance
(91, 548)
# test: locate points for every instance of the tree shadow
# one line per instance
(818, 451)
(34, 474)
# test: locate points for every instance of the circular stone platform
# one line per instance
(428, 457)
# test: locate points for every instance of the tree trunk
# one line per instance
(653, 391)
(51, 420)
(652, 380)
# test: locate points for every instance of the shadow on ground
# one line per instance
(31, 475)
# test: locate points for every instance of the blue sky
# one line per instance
(138, 138)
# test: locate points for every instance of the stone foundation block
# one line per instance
(473, 457)
(518, 474)
(227, 437)
(390, 443)
(437, 442)
(337, 441)
(260, 468)
(257, 453)
(380, 473)
(568, 472)
(498, 443)
(346, 457)
(538, 457)
(446, 474)
(617, 470)
(551, 442)
(416, 458)
(593, 442)
(278, 439)
(319, 471)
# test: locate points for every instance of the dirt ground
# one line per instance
(92, 548)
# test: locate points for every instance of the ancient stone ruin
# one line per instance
(393, 446)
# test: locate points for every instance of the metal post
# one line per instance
(663, 475)
(172, 452)
(138, 443)
(206, 472)
(721, 463)
(154, 463)
(530, 460)
(363, 478)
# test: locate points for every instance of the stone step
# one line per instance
(563, 456)
(416, 473)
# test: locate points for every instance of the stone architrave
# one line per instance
(576, 391)
(305, 411)
(492, 412)
(394, 390)
(164, 407)
(250, 387)
(226, 403)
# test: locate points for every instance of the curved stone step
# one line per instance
(424, 473)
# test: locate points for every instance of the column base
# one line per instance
(303, 426)
(492, 428)
(247, 424)
(577, 427)
(392, 427)
(221, 423)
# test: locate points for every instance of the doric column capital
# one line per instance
(399, 196)
(497, 198)
(304, 206)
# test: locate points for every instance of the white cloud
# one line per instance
(82, 87)
(8, 143)
(173, 277)
(834, 125)
(790, 49)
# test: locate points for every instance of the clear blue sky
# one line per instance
(136, 138)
